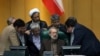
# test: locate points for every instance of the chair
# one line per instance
(62, 36)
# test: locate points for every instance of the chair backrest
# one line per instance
(62, 36)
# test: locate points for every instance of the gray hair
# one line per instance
(35, 26)
(10, 20)
(52, 28)
(55, 17)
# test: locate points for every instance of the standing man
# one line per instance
(19, 32)
(35, 16)
(55, 21)
(81, 35)
(34, 41)
(4, 41)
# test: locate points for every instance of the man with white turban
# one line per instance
(35, 16)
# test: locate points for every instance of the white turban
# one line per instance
(33, 10)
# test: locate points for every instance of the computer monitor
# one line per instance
(71, 50)
(13, 53)
(18, 47)
(48, 53)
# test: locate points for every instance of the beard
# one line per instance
(54, 37)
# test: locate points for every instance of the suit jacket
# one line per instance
(83, 36)
(25, 39)
(43, 24)
(33, 50)
(46, 46)
(8, 38)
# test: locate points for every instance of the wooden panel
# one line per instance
(86, 11)
(18, 8)
(66, 11)
(82, 11)
(30, 4)
(96, 17)
(4, 13)
(44, 14)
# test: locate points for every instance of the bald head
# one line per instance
(10, 20)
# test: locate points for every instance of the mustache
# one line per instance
(54, 36)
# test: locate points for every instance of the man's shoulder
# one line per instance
(41, 21)
(82, 27)
(29, 22)
(8, 28)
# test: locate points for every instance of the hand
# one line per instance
(27, 32)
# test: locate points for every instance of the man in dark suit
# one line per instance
(19, 30)
(19, 33)
(53, 44)
(34, 41)
(81, 35)
(35, 16)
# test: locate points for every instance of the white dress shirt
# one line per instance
(72, 37)
(22, 39)
(37, 41)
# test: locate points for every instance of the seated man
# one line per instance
(62, 36)
(53, 44)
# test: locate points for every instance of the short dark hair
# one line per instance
(55, 17)
(71, 21)
(19, 23)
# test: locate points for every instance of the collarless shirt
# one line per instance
(36, 41)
